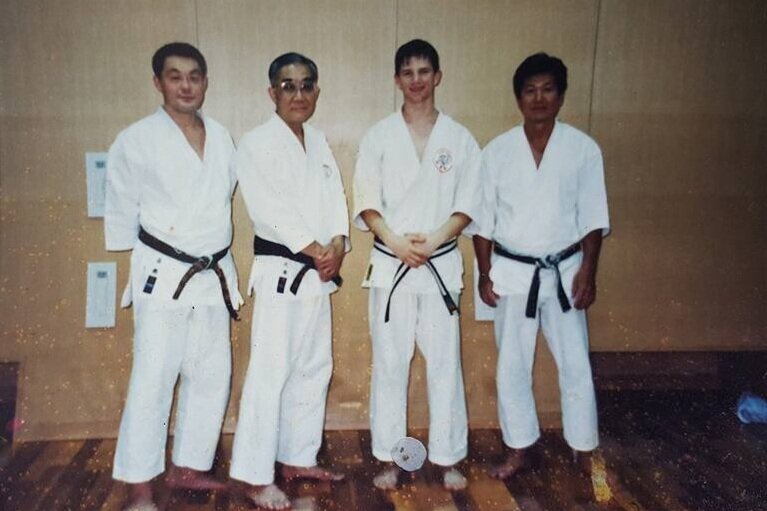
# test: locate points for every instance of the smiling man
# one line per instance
(170, 180)
(293, 192)
(544, 216)
(416, 187)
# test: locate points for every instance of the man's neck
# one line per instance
(538, 132)
(419, 113)
(420, 121)
(185, 121)
(298, 131)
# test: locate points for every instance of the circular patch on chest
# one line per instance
(443, 161)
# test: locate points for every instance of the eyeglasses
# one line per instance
(306, 87)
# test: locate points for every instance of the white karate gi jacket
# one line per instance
(416, 196)
(540, 211)
(156, 179)
(294, 197)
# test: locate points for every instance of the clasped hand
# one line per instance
(328, 261)
(414, 249)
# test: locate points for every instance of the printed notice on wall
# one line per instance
(100, 298)
(96, 178)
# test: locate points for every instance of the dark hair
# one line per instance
(291, 58)
(416, 48)
(185, 50)
(540, 64)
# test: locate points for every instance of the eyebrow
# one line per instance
(307, 79)
(176, 70)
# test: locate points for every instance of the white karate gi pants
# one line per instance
(567, 338)
(422, 319)
(192, 342)
(282, 411)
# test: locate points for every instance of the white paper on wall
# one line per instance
(96, 174)
(101, 292)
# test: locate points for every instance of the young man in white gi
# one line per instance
(544, 215)
(170, 179)
(416, 187)
(293, 192)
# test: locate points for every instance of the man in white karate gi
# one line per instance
(293, 192)
(544, 216)
(170, 179)
(416, 187)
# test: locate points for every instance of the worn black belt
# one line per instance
(198, 264)
(269, 248)
(549, 262)
(402, 270)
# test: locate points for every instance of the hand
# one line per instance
(328, 264)
(584, 288)
(425, 244)
(486, 291)
(406, 249)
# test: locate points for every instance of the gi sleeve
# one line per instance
(467, 198)
(232, 167)
(592, 211)
(269, 193)
(367, 190)
(483, 224)
(121, 208)
(340, 215)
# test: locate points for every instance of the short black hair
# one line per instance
(540, 64)
(416, 48)
(291, 58)
(177, 49)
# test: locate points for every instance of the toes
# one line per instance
(387, 480)
(453, 480)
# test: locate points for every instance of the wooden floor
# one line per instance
(662, 451)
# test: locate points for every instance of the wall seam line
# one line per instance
(396, 38)
(594, 65)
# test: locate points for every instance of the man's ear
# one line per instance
(272, 94)
(437, 77)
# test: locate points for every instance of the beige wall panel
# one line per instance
(74, 74)
(681, 113)
(678, 108)
(481, 44)
(352, 43)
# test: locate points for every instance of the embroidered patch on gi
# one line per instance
(281, 285)
(443, 162)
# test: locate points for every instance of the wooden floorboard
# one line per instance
(662, 451)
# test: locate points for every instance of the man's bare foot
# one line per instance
(453, 480)
(515, 462)
(315, 473)
(387, 479)
(140, 497)
(184, 478)
(268, 497)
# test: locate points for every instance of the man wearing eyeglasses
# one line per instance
(294, 195)
(416, 187)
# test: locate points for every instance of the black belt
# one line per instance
(198, 264)
(269, 248)
(402, 270)
(549, 262)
